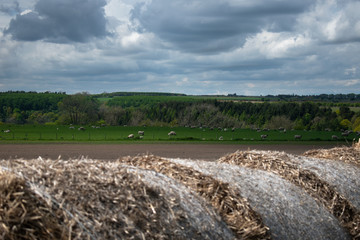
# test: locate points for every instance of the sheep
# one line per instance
(172, 133)
(7, 131)
(297, 136)
(221, 138)
(141, 133)
(71, 127)
(81, 129)
(334, 137)
(345, 134)
(264, 136)
(131, 136)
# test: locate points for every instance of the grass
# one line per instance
(61, 133)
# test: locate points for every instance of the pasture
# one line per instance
(65, 133)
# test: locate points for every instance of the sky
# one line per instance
(247, 47)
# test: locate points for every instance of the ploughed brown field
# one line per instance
(210, 152)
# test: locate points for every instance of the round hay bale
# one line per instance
(326, 181)
(245, 195)
(195, 219)
(344, 154)
(109, 200)
(232, 207)
(285, 208)
(23, 215)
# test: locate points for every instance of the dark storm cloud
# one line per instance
(10, 8)
(213, 26)
(61, 21)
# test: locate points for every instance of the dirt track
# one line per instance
(115, 151)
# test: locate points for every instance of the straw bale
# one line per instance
(335, 185)
(25, 216)
(234, 209)
(108, 200)
(284, 207)
(345, 154)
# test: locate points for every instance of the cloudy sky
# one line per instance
(248, 47)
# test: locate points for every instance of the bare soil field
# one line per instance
(210, 152)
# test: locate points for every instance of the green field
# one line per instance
(56, 133)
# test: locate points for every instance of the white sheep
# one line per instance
(172, 133)
(141, 133)
(221, 138)
(131, 136)
(264, 136)
(7, 131)
(297, 136)
(334, 137)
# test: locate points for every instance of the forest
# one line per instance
(166, 109)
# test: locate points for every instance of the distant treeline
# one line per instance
(155, 109)
(334, 98)
(122, 94)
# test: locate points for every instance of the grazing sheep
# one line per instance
(172, 133)
(297, 136)
(334, 137)
(81, 129)
(264, 136)
(7, 131)
(221, 138)
(345, 134)
(131, 136)
(71, 127)
(141, 133)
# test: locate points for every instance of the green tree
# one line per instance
(80, 108)
(345, 123)
(277, 122)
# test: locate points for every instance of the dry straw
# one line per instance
(234, 209)
(286, 209)
(107, 200)
(288, 168)
(23, 215)
(345, 154)
(266, 195)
